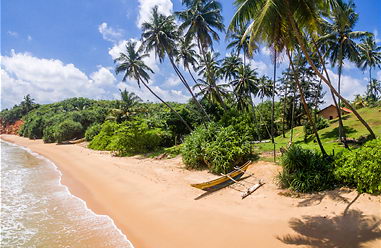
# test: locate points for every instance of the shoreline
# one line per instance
(151, 202)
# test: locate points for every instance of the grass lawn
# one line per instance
(329, 136)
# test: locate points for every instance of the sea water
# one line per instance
(38, 211)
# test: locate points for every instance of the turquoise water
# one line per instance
(38, 211)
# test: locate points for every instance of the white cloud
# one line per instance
(121, 47)
(260, 66)
(145, 6)
(349, 87)
(376, 38)
(172, 80)
(348, 65)
(29, 37)
(109, 33)
(49, 80)
(13, 33)
(266, 51)
(379, 75)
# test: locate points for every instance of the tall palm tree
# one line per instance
(297, 18)
(245, 84)
(373, 90)
(229, 66)
(201, 20)
(265, 87)
(370, 55)
(132, 65)
(240, 42)
(340, 43)
(187, 56)
(160, 34)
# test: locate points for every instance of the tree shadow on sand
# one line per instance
(316, 198)
(352, 229)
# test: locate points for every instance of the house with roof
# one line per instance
(330, 112)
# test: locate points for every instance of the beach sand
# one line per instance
(152, 203)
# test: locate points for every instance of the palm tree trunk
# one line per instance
(300, 40)
(180, 75)
(166, 104)
(284, 111)
(308, 113)
(342, 136)
(273, 108)
(292, 115)
(338, 106)
(208, 71)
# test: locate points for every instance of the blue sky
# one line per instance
(64, 48)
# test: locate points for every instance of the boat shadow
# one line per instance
(207, 193)
(351, 229)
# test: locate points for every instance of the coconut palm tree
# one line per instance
(340, 43)
(160, 34)
(370, 55)
(201, 20)
(245, 84)
(296, 18)
(373, 90)
(187, 56)
(239, 42)
(132, 65)
(229, 66)
(265, 87)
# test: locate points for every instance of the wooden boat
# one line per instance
(224, 180)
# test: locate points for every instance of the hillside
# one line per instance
(329, 136)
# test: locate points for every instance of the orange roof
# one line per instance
(346, 110)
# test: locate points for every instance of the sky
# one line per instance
(59, 49)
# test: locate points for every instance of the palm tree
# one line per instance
(160, 34)
(132, 65)
(245, 84)
(241, 42)
(340, 43)
(295, 17)
(373, 90)
(370, 55)
(27, 104)
(265, 87)
(201, 19)
(229, 66)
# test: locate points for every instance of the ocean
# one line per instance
(38, 211)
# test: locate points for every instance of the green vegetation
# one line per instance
(306, 170)
(361, 168)
(217, 128)
(218, 148)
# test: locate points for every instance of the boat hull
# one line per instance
(223, 181)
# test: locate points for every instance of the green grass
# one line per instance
(329, 136)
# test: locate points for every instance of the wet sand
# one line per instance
(152, 203)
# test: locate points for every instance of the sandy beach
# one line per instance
(152, 203)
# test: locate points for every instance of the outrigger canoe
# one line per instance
(223, 181)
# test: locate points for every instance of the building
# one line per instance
(330, 112)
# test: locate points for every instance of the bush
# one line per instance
(305, 170)
(49, 134)
(135, 138)
(361, 168)
(68, 130)
(103, 139)
(218, 148)
(92, 131)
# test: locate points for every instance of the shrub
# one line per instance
(218, 148)
(103, 139)
(136, 138)
(92, 131)
(49, 134)
(305, 170)
(361, 168)
(68, 130)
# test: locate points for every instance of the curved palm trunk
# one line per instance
(273, 109)
(183, 80)
(194, 80)
(308, 113)
(166, 104)
(299, 38)
(342, 136)
(292, 115)
(208, 71)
